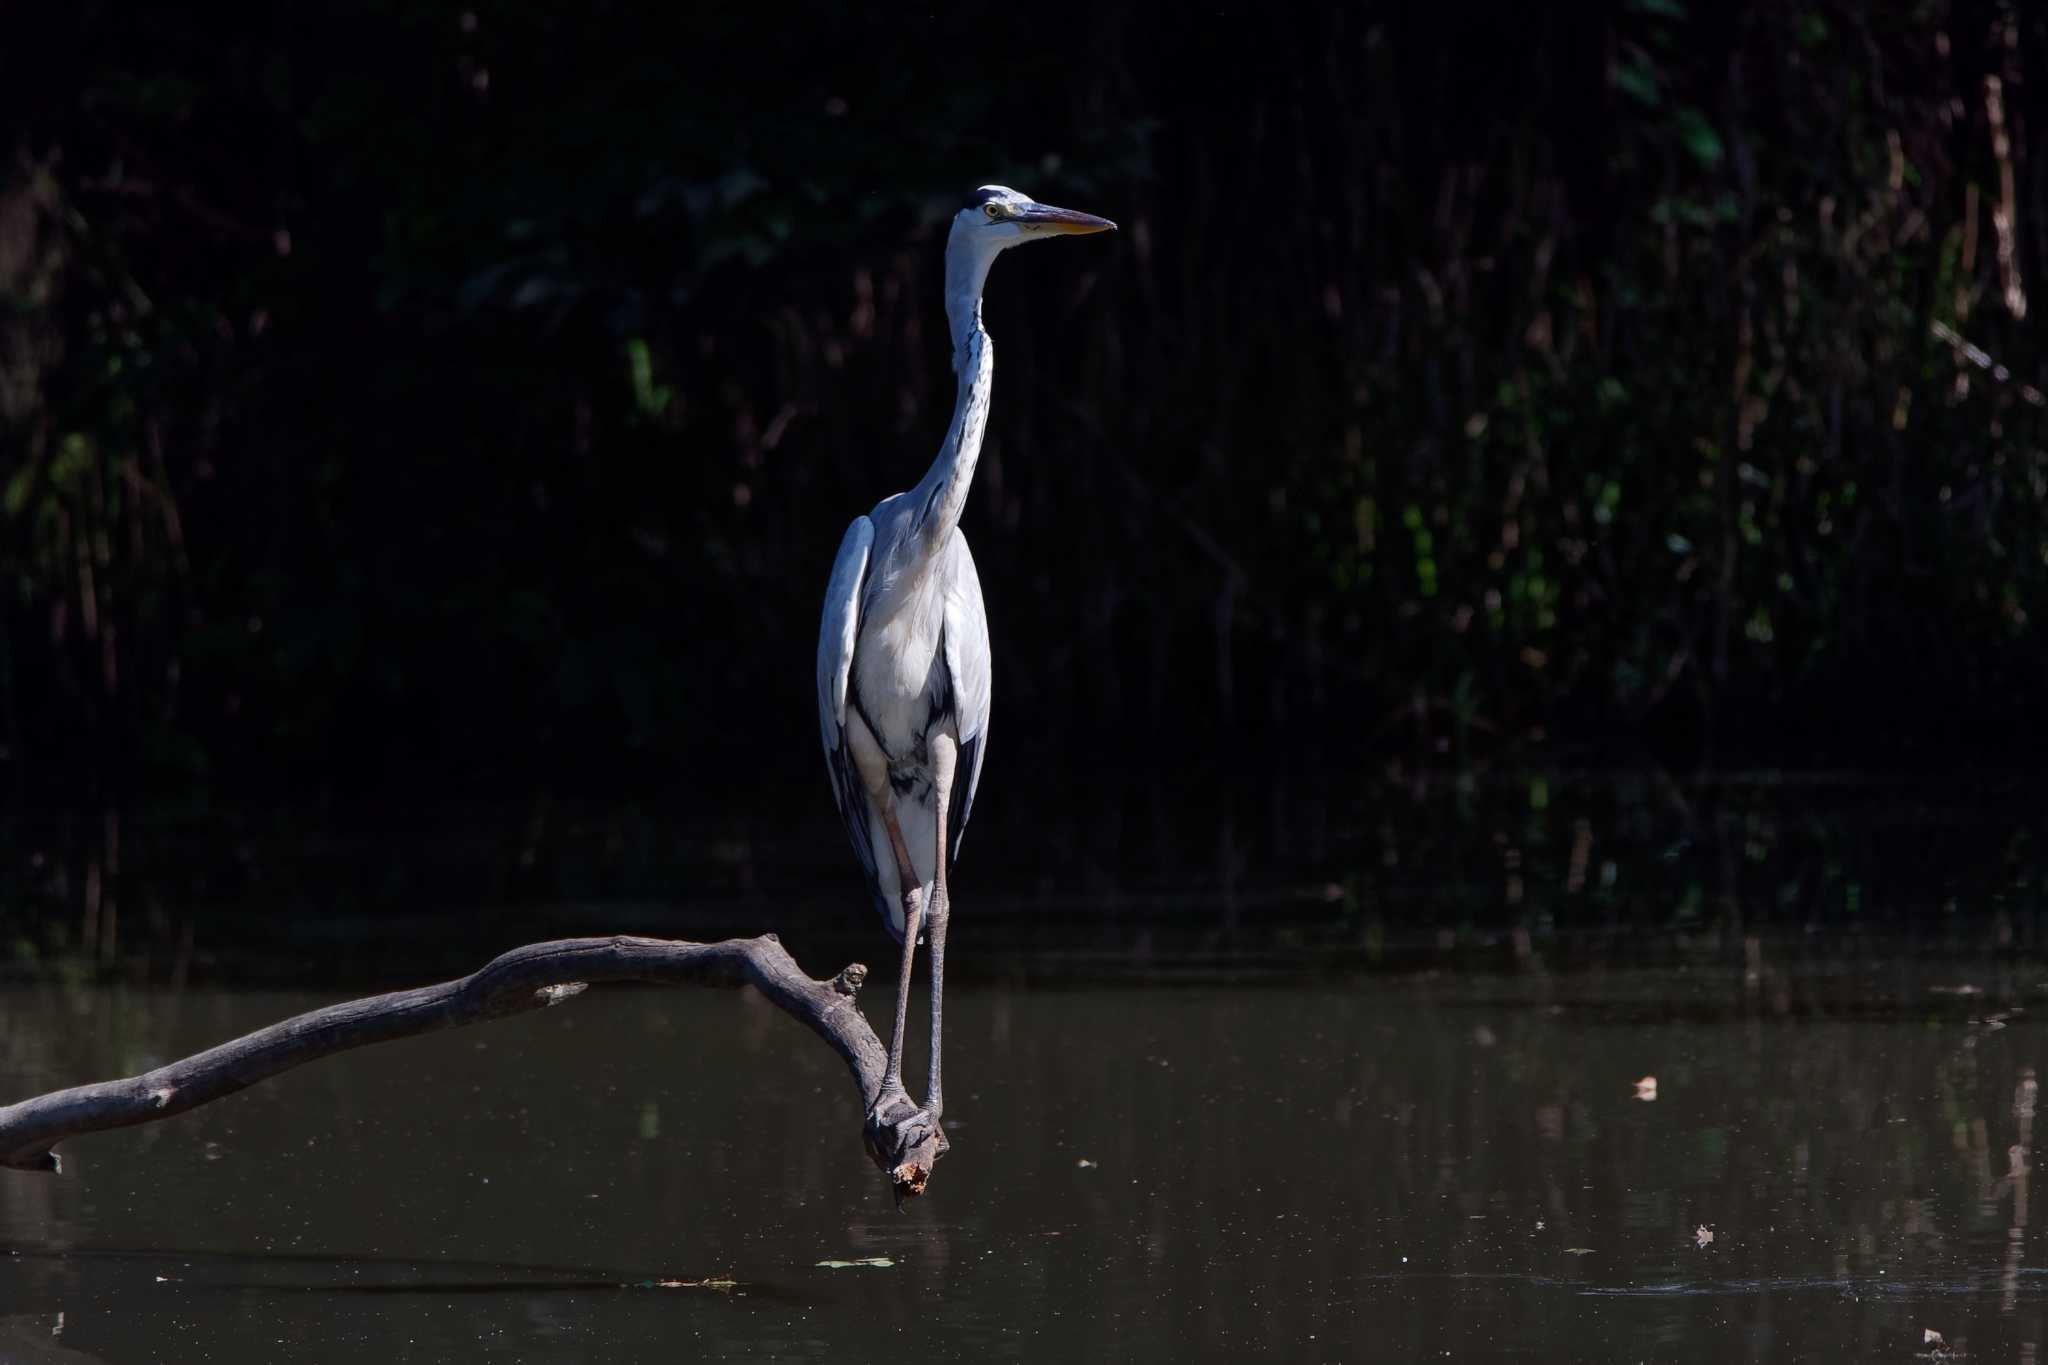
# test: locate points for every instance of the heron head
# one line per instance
(997, 217)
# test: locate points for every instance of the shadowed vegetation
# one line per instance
(391, 388)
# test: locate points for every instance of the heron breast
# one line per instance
(899, 679)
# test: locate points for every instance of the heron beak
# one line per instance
(1046, 218)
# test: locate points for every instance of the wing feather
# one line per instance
(968, 663)
(837, 630)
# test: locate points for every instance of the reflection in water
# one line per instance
(1385, 1167)
(38, 1340)
(1276, 872)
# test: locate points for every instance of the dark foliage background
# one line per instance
(479, 390)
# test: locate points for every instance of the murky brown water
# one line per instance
(1835, 1163)
(1301, 1071)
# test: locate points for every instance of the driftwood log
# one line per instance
(536, 976)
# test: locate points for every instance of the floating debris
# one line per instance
(1703, 1236)
(718, 1282)
(881, 1262)
(1578, 1251)
(1085, 1164)
(1646, 1089)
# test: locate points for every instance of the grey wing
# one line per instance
(837, 631)
(968, 664)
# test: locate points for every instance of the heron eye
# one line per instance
(992, 209)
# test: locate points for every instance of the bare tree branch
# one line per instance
(528, 978)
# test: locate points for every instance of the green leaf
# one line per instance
(18, 485)
(1638, 80)
(74, 457)
(1699, 137)
(651, 398)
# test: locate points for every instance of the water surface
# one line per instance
(1382, 1168)
(1377, 1093)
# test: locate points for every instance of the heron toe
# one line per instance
(892, 1107)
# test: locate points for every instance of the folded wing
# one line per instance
(837, 631)
(968, 663)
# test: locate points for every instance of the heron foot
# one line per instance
(905, 1140)
(891, 1107)
(898, 1123)
(930, 1116)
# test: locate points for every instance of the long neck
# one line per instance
(942, 494)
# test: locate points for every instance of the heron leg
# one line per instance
(945, 754)
(913, 922)
(892, 1078)
(873, 766)
(935, 1101)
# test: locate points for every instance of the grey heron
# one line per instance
(903, 656)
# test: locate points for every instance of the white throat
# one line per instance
(969, 254)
